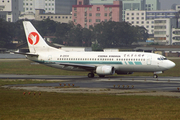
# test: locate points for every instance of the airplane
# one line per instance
(100, 63)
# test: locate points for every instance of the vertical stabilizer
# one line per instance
(35, 41)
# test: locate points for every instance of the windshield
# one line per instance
(162, 58)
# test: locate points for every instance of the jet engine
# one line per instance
(105, 70)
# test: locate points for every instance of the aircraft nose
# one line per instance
(170, 64)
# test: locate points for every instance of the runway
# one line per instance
(121, 82)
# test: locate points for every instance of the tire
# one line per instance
(155, 76)
(90, 75)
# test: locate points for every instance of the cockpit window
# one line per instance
(162, 58)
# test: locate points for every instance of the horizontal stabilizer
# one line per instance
(30, 54)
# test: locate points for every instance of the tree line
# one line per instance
(102, 35)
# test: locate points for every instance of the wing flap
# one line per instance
(86, 67)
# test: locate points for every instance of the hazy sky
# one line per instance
(166, 4)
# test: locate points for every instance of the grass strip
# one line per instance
(15, 105)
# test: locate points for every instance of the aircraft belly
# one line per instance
(138, 68)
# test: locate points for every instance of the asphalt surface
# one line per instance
(120, 82)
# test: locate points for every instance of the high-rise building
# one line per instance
(60, 6)
(50, 6)
(29, 6)
(157, 22)
(131, 5)
(177, 7)
(87, 15)
(163, 30)
(146, 18)
(175, 36)
(9, 10)
(152, 5)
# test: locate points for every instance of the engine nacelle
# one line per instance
(105, 70)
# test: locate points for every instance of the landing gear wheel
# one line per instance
(155, 76)
(91, 75)
(101, 76)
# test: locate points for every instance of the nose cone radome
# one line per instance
(170, 64)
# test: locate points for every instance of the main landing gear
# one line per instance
(90, 75)
(155, 76)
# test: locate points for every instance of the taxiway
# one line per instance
(121, 82)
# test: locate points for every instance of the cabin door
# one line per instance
(149, 59)
(49, 58)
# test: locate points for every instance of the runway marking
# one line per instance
(155, 81)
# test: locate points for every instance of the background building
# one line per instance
(177, 7)
(132, 5)
(152, 5)
(101, 2)
(29, 6)
(50, 6)
(87, 15)
(163, 30)
(9, 10)
(59, 6)
(146, 18)
(40, 15)
(175, 36)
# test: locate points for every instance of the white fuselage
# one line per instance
(121, 61)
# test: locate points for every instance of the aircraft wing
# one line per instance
(86, 67)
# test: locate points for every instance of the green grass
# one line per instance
(15, 105)
(54, 106)
(25, 67)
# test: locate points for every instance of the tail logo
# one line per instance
(33, 38)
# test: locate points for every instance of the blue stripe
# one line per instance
(131, 63)
(91, 62)
(138, 63)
